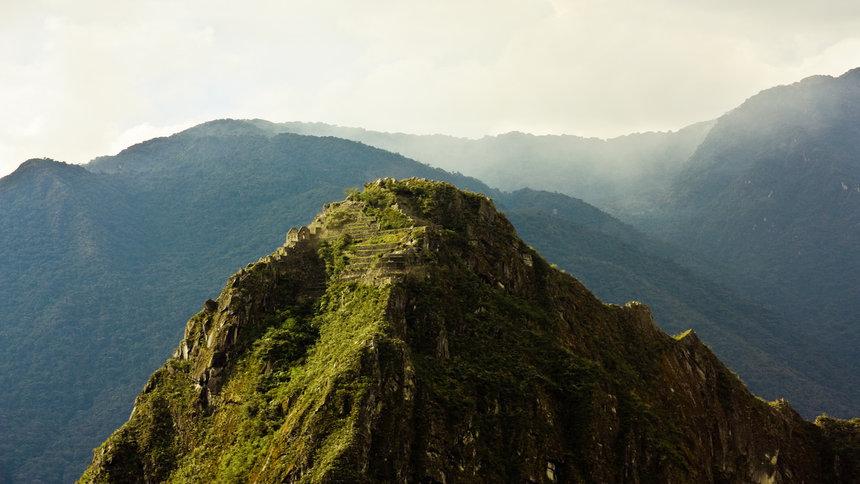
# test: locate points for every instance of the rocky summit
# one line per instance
(408, 335)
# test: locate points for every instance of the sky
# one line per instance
(84, 78)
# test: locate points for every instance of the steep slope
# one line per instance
(408, 335)
(759, 344)
(772, 199)
(620, 264)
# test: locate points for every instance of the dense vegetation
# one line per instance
(758, 343)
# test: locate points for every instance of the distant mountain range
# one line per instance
(101, 264)
(618, 175)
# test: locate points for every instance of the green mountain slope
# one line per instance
(412, 337)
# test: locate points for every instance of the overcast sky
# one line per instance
(84, 78)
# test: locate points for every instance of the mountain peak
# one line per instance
(42, 165)
(851, 74)
(408, 334)
(230, 127)
(44, 173)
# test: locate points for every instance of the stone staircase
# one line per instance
(385, 256)
(373, 253)
(382, 251)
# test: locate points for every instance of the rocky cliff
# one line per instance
(409, 335)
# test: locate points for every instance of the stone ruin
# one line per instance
(295, 235)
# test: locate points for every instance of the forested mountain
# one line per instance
(101, 264)
(73, 325)
(772, 199)
(408, 335)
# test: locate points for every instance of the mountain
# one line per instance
(771, 199)
(765, 200)
(619, 175)
(62, 225)
(99, 262)
(407, 334)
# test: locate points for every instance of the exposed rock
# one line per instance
(210, 306)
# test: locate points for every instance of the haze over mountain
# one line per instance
(615, 174)
(772, 198)
(408, 335)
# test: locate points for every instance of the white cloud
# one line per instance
(79, 79)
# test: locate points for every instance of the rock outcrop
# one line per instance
(411, 336)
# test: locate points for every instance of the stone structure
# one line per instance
(295, 235)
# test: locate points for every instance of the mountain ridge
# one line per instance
(596, 170)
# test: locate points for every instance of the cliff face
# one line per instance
(410, 335)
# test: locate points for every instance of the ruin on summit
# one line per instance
(295, 235)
